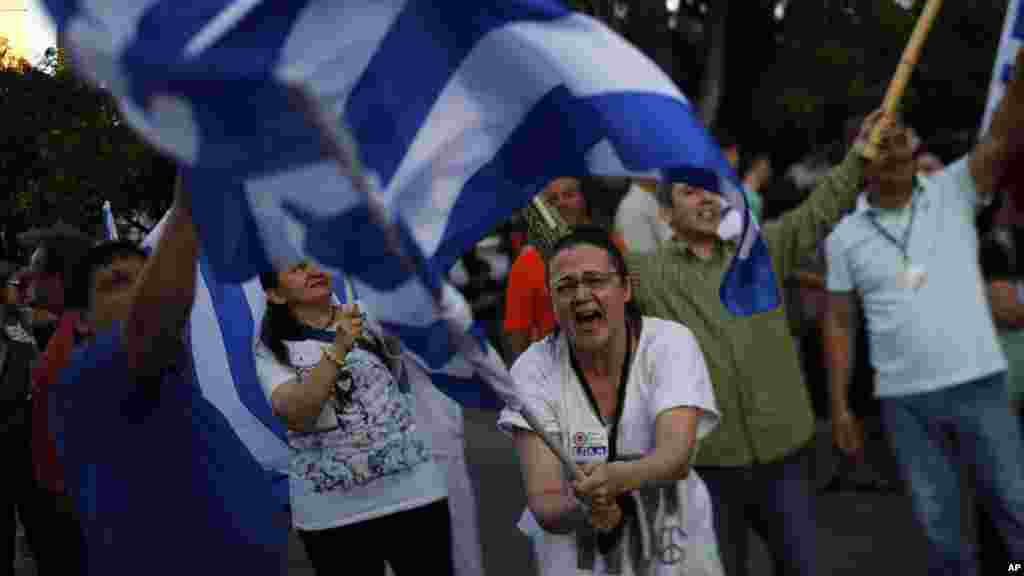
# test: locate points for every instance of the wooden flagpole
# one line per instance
(898, 84)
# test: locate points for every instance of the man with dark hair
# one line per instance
(756, 464)
(56, 265)
(163, 484)
(911, 258)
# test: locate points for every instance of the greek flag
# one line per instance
(349, 132)
(222, 332)
(1009, 44)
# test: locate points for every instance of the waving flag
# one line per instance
(1013, 36)
(350, 132)
(224, 328)
(222, 331)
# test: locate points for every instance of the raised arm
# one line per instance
(299, 401)
(995, 153)
(796, 234)
(164, 293)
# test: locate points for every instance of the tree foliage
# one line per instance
(65, 151)
(9, 60)
(833, 60)
(791, 84)
(789, 87)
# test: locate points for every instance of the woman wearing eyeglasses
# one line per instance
(363, 482)
(628, 396)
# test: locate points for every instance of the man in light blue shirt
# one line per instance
(912, 259)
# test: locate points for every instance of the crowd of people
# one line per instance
(686, 426)
(914, 255)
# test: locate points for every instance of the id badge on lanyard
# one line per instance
(911, 276)
(591, 439)
(589, 446)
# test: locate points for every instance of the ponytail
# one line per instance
(278, 323)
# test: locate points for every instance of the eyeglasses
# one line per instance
(567, 287)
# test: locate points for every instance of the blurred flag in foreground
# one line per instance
(351, 132)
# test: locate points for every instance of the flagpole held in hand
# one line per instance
(898, 84)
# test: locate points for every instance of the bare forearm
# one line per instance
(1010, 108)
(676, 437)
(164, 296)
(838, 353)
(993, 159)
(798, 232)
(658, 468)
(556, 513)
(301, 402)
(547, 493)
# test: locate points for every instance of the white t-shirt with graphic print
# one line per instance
(668, 371)
(367, 458)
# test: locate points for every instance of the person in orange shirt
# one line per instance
(528, 312)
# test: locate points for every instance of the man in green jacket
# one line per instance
(756, 462)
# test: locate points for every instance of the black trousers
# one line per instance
(51, 526)
(776, 500)
(414, 542)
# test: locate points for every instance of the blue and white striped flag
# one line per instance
(223, 330)
(108, 221)
(1002, 71)
(459, 112)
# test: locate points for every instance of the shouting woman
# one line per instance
(628, 396)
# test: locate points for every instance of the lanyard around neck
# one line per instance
(613, 432)
(902, 244)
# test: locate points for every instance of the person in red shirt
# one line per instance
(56, 288)
(528, 312)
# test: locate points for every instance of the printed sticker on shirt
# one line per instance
(590, 446)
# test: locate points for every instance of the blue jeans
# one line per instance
(777, 500)
(989, 439)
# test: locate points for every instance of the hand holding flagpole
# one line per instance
(898, 84)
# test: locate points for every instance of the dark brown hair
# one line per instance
(599, 238)
(278, 322)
